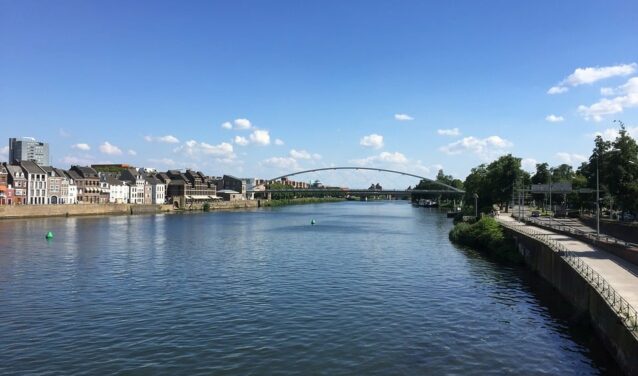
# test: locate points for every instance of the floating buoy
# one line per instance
(312, 222)
(49, 235)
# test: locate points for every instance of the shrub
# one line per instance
(486, 235)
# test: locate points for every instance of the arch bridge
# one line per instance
(444, 188)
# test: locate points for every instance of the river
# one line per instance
(371, 288)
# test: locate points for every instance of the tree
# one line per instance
(622, 177)
(542, 174)
(504, 175)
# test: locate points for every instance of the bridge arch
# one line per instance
(453, 189)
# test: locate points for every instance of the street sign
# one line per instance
(562, 187)
(586, 190)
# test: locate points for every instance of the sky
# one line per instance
(261, 89)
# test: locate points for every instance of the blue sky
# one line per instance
(408, 85)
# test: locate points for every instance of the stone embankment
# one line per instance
(599, 285)
(35, 211)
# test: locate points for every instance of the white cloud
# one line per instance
(163, 161)
(81, 146)
(607, 91)
(372, 141)
(4, 152)
(449, 132)
(383, 157)
(592, 74)
(242, 141)
(627, 97)
(278, 142)
(74, 160)
(610, 134)
(557, 90)
(554, 118)
(529, 164)
(193, 148)
(238, 124)
(242, 124)
(63, 133)
(485, 148)
(108, 148)
(286, 163)
(403, 117)
(571, 159)
(168, 139)
(260, 137)
(303, 154)
(132, 152)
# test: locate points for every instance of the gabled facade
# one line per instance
(37, 179)
(119, 190)
(6, 191)
(18, 180)
(137, 184)
(71, 187)
(55, 195)
(158, 190)
(88, 184)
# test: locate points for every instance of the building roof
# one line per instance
(73, 174)
(85, 172)
(60, 172)
(31, 167)
(153, 180)
(113, 181)
(13, 170)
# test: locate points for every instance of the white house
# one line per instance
(158, 190)
(36, 183)
(119, 191)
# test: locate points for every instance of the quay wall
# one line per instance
(587, 302)
(33, 211)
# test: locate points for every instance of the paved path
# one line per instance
(620, 274)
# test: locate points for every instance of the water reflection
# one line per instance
(373, 288)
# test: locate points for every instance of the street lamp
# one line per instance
(476, 205)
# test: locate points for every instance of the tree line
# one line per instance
(615, 162)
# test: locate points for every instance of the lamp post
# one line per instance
(476, 205)
(597, 199)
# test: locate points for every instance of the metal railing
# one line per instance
(565, 228)
(625, 311)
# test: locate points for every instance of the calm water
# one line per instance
(372, 288)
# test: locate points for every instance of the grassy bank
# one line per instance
(300, 201)
(487, 236)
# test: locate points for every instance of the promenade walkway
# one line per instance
(620, 275)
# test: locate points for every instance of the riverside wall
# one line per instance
(34, 211)
(588, 303)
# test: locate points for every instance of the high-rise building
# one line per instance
(28, 149)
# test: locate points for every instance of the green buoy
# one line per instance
(49, 235)
(312, 222)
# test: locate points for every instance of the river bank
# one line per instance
(39, 211)
(486, 236)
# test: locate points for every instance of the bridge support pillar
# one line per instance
(269, 196)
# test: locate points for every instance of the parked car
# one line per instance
(626, 216)
(536, 214)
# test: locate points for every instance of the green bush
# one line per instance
(206, 207)
(486, 235)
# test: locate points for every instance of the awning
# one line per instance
(200, 197)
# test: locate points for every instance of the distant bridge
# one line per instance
(364, 192)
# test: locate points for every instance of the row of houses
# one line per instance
(27, 183)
